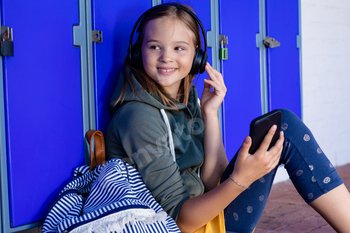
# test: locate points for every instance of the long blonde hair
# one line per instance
(146, 81)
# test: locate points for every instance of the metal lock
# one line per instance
(223, 51)
(271, 42)
(7, 48)
(6, 41)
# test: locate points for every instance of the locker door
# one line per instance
(239, 21)
(202, 9)
(283, 69)
(116, 20)
(43, 106)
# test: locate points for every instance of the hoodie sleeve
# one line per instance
(143, 136)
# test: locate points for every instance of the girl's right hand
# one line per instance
(248, 168)
(211, 100)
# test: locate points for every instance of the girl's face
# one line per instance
(167, 52)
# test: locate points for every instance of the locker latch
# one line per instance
(97, 36)
(6, 41)
(271, 42)
(223, 51)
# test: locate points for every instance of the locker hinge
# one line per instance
(6, 41)
(97, 36)
(298, 42)
(223, 51)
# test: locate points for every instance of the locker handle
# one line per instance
(271, 42)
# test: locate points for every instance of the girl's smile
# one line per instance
(166, 71)
(167, 52)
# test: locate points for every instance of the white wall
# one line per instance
(326, 75)
(325, 28)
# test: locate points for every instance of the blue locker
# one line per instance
(283, 65)
(116, 20)
(42, 99)
(42, 91)
(239, 20)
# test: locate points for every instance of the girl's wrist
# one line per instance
(209, 114)
(238, 184)
(240, 181)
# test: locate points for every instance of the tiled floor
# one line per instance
(286, 211)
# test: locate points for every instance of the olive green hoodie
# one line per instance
(138, 134)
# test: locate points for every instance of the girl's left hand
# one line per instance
(211, 100)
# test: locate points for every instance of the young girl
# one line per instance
(155, 92)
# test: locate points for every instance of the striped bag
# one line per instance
(110, 198)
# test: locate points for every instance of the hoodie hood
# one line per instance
(145, 97)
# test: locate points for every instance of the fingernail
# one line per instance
(274, 127)
(246, 139)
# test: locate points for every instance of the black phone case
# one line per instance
(261, 125)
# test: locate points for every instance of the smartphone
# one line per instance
(260, 126)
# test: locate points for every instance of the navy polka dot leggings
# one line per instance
(309, 169)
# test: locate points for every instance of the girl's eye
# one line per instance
(179, 48)
(154, 47)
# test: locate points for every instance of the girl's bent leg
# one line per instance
(309, 169)
(313, 174)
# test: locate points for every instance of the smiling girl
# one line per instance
(167, 55)
(155, 95)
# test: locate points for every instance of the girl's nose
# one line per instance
(166, 56)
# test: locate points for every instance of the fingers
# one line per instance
(267, 139)
(280, 141)
(213, 73)
(217, 87)
(246, 145)
(207, 86)
(244, 150)
(276, 151)
(216, 80)
(212, 98)
(278, 147)
(251, 167)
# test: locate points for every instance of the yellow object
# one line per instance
(216, 225)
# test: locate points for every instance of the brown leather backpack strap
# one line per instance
(98, 157)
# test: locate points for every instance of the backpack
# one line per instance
(109, 197)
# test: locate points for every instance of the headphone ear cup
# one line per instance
(199, 62)
(203, 61)
(135, 57)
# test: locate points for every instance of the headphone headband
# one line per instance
(202, 56)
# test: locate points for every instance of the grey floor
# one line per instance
(32, 230)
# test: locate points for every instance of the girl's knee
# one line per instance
(289, 118)
(286, 113)
(292, 126)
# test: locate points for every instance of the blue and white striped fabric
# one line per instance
(111, 198)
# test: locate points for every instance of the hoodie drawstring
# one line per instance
(171, 142)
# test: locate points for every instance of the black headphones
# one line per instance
(200, 57)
